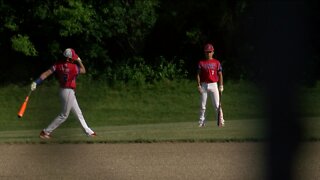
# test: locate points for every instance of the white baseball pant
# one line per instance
(212, 89)
(69, 103)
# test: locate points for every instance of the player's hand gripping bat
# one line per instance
(24, 106)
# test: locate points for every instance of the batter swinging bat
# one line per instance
(219, 110)
(24, 106)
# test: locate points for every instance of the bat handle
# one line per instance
(29, 93)
(220, 97)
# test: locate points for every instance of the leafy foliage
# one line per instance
(139, 72)
(75, 18)
(22, 44)
(110, 35)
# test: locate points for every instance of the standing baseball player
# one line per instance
(209, 74)
(66, 72)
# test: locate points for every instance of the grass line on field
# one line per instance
(234, 131)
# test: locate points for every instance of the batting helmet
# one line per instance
(70, 53)
(208, 48)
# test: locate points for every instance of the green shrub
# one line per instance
(137, 72)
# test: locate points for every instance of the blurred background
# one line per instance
(157, 38)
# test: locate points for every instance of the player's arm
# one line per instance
(220, 81)
(199, 81)
(82, 69)
(45, 74)
(220, 75)
(42, 77)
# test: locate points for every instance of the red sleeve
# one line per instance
(53, 68)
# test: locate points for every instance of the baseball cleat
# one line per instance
(44, 135)
(93, 135)
(221, 124)
(202, 124)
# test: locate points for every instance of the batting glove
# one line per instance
(33, 86)
(221, 88)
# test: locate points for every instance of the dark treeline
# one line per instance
(142, 39)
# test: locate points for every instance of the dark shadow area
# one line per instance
(283, 51)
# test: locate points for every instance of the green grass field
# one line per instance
(236, 131)
(167, 111)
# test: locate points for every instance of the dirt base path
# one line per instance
(174, 161)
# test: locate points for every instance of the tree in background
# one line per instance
(130, 34)
(102, 32)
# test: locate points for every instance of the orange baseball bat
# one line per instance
(24, 106)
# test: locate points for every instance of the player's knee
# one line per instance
(63, 116)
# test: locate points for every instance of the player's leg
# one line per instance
(203, 104)
(67, 96)
(77, 111)
(214, 95)
(215, 98)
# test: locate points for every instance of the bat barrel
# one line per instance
(23, 107)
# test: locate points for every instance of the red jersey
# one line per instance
(66, 73)
(208, 70)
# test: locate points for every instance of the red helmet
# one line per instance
(208, 48)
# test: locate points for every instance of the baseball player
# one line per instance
(209, 74)
(66, 72)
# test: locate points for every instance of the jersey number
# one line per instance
(65, 77)
(212, 72)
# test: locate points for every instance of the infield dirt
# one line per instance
(232, 161)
